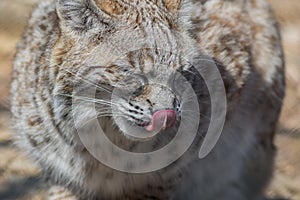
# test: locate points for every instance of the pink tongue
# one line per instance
(161, 120)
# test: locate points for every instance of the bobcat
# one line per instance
(127, 55)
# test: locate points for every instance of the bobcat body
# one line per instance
(83, 43)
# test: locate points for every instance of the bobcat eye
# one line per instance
(138, 91)
(141, 78)
(178, 84)
(133, 84)
(140, 81)
(176, 105)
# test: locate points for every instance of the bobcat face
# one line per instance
(147, 102)
(132, 56)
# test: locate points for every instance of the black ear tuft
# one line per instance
(79, 15)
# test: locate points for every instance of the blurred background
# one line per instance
(19, 177)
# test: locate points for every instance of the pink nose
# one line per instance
(161, 120)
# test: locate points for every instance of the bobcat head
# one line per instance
(130, 52)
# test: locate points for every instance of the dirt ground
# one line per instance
(20, 178)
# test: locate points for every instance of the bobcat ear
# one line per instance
(80, 15)
(172, 5)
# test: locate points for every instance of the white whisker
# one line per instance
(87, 81)
(88, 99)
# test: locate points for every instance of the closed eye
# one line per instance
(176, 105)
(138, 91)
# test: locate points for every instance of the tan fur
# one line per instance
(172, 5)
(71, 44)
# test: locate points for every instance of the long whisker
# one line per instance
(101, 115)
(192, 111)
(110, 115)
(87, 81)
(197, 75)
(87, 99)
(206, 102)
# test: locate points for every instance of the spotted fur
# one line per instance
(82, 43)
